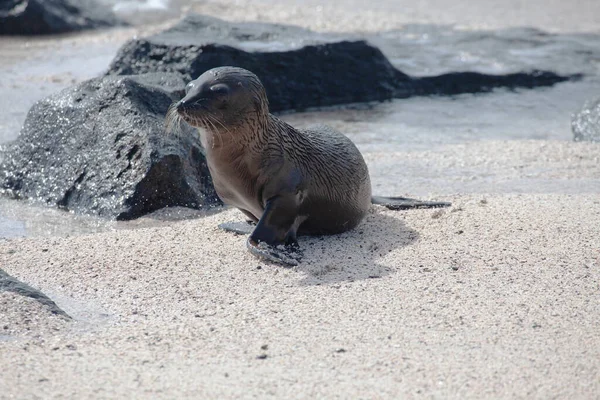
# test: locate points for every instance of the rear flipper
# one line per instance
(241, 228)
(404, 203)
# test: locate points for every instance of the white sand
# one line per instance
(23, 316)
(496, 296)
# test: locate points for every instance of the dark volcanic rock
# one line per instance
(33, 17)
(299, 68)
(586, 123)
(300, 75)
(100, 147)
(11, 284)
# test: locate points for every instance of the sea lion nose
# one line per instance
(181, 105)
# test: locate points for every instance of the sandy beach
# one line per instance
(497, 296)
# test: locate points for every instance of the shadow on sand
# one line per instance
(353, 255)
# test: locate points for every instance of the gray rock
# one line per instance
(299, 68)
(34, 17)
(11, 284)
(100, 148)
(586, 123)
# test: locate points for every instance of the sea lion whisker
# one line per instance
(214, 119)
(179, 121)
(209, 128)
(173, 121)
(196, 120)
(218, 134)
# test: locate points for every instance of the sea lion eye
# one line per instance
(220, 89)
(189, 87)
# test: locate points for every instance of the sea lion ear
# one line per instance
(240, 84)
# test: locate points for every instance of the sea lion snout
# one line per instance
(181, 105)
(222, 98)
(187, 108)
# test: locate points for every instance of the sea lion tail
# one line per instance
(404, 203)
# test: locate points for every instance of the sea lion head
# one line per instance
(223, 98)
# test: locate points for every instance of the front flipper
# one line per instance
(287, 255)
(274, 238)
(404, 203)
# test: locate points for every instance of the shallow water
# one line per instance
(34, 68)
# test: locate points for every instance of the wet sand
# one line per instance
(495, 297)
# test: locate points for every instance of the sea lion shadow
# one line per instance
(353, 255)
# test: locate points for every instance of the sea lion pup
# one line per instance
(286, 180)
